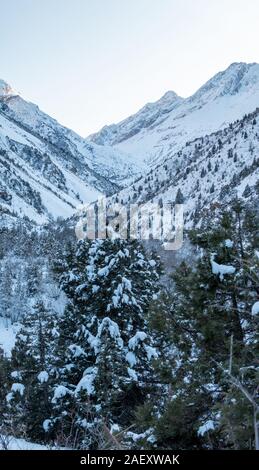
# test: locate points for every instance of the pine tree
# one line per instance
(104, 351)
(247, 191)
(179, 199)
(4, 381)
(203, 172)
(6, 289)
(212, 188)
(31, 371)
(212, 338)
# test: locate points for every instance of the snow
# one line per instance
(106, 325)
(46, 425)
(87, 381)
(132, 374)
(15, 374)
(54, 331)
(151, 352)
(229, 243)
(127, 283)
(255, 308)
(9, 397)
(56, 201)
(173, 153)
(43, 376)
(136, 437)
(95, 288)
(151, 439)
(119, 296)
(93, 341)
(164, 174)
(8, 333)
(60, 392)
(208, 426)
(154, 131)
(131, 358)
(221, 269)
(18, 387)
(152, 263)
(113, 329)
(5, 89)
(103, 272)
(135, 340)
(114, 428)
(69, 184)
(125, 299)
(76, 350)
(14, 443)
(115, 300)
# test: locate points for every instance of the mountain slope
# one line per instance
(207, 171)
(224, 98)
(46, 170)
(150, 115)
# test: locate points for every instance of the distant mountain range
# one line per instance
(160, 129)
(204, 145)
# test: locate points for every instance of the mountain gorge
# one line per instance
(48, 170)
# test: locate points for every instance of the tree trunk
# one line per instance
(256, 427)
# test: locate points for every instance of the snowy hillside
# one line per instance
(160, 129)
(150, 115)
(46, 169)
(8, 332)
(208, 170)
(12, 443)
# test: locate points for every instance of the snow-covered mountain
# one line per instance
(160, 129)
(151, 114)
(207, 172)
(47, 170)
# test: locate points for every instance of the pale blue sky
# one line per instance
(93, 62)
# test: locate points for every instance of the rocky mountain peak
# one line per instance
(6, 89)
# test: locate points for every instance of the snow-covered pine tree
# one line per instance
(6, 289)
(105, 348)
(213, 333)
(31, 370)
(4, 383)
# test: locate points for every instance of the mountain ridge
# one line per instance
(208, 172)
(226, 96)
(47, 170)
